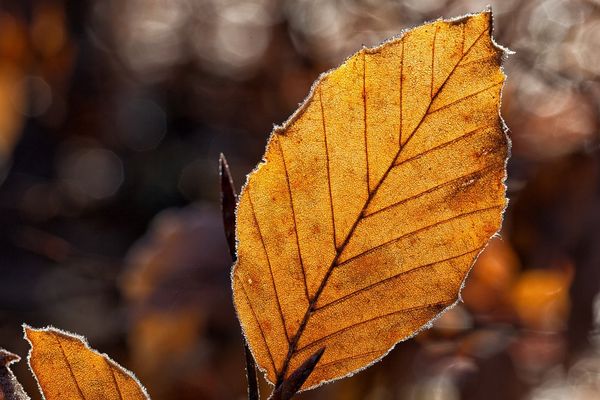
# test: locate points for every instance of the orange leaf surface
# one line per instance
(373, 201)
(67, 368)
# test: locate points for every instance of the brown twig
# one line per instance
(228, 203)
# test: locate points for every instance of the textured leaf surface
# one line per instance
(66, 368)
(373, 201)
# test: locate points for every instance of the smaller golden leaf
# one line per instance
(67, 368)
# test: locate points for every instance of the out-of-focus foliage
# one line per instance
(116, 110)
(182, 322)
(12, 98)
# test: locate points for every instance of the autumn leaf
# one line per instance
(66, 368)
(10, 388)
(373, 201)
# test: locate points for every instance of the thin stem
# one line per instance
(228, 204)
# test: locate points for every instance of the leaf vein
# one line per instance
(440, 146)
(433, 61)
(439, 90)
(391, 278)
(60, 346)
(355, 325)
(364, 99)
(454, 102)
(351, 358)
(485, 169)
(454, 217)
(328, 168)
(478, 60)
(114, 378)
(262, 240)
(462, 44)
(401, 95)
(262, 333)
(287, 179)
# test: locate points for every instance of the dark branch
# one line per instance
(253, 393)
(228, 203)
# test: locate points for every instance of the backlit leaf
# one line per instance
(66, 368)
(373, 201)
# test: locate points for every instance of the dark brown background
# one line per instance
(112, 116)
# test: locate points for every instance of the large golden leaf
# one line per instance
(66, 368)
(373, 201)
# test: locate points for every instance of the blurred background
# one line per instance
(112, 116)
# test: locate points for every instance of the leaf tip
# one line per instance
(27, 331)
(7, 358)
(30, 333)
(224, 171)
(223, 167)
(316, 357)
